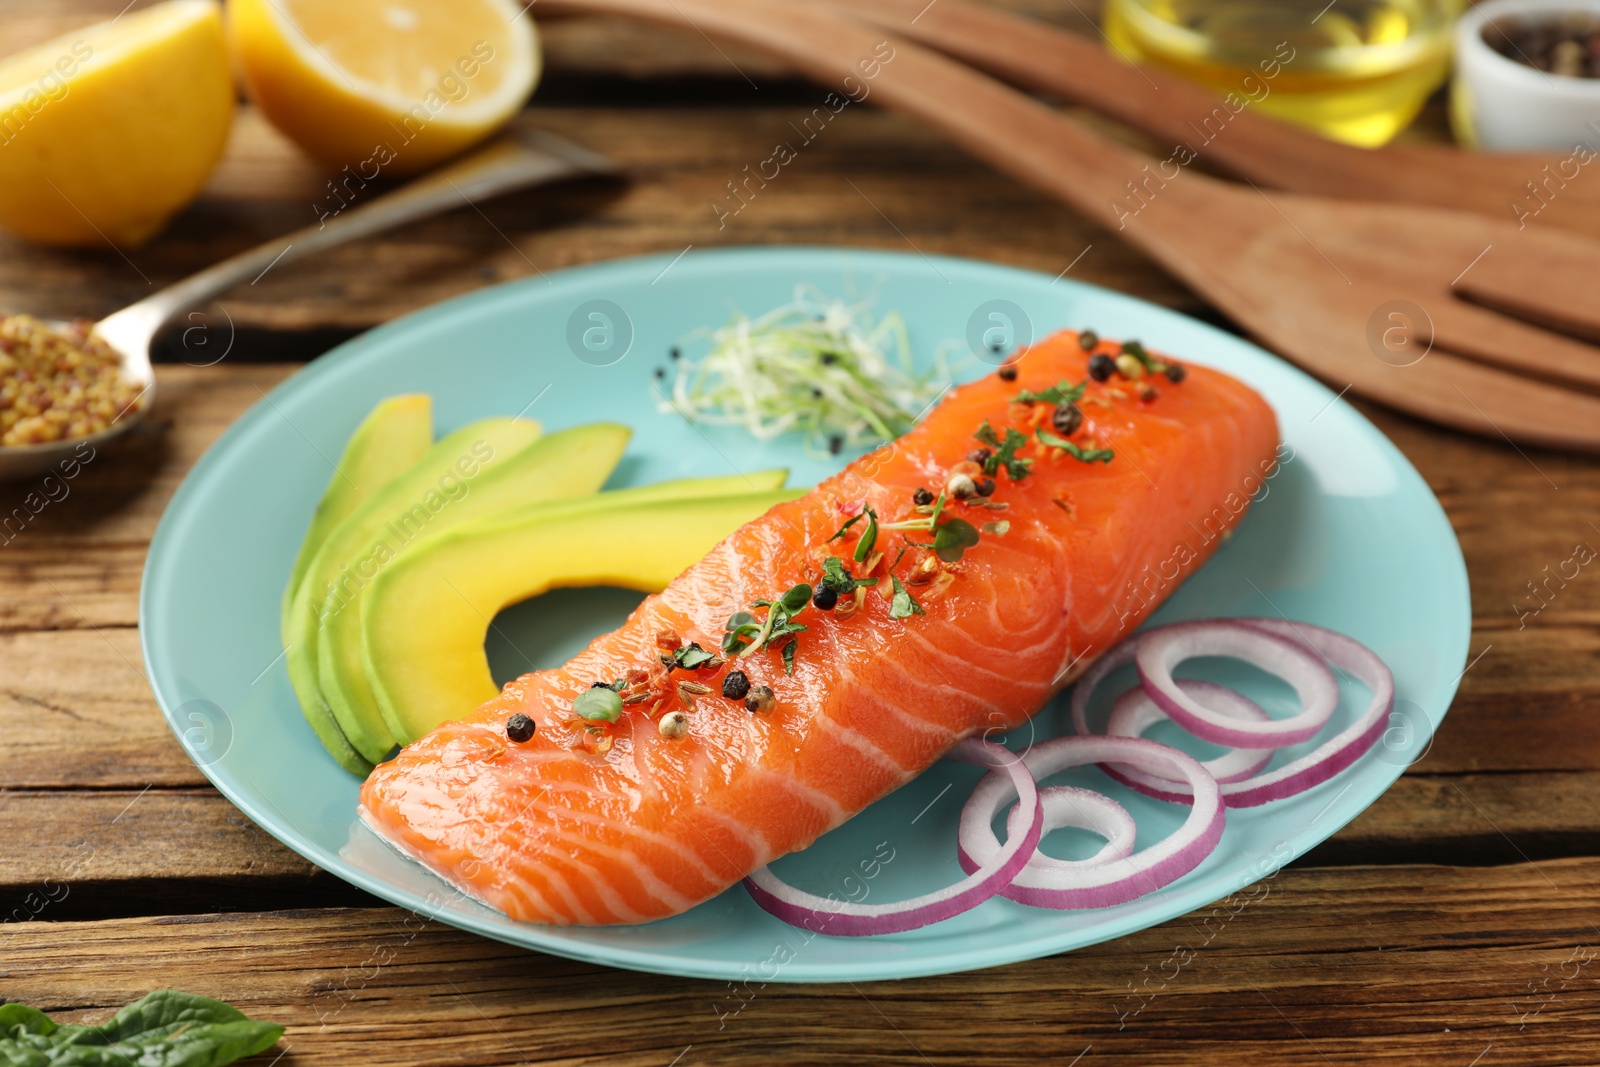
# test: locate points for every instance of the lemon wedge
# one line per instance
(106, 132)
(385, 86)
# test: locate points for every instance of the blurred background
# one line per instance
(683, 116)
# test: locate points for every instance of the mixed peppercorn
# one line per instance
(970, 485)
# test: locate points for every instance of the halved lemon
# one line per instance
(106, 132)
(385, 86)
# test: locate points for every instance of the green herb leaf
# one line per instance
(986, 435)
(692, 656)
(598, 705)
(789, 650)
(735, 639)
(165, 1029)
(869, 537)
(777, 624)
(837, 577)
(795, 600)
(1136, 350)
(904, 605)
(1055, 396)
(851, 521)
(953, 538)
(1086, 455)
(1005, 455)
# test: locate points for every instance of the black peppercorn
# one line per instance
(835, 444)
(1067, 418)
(1007, 373)
(675, 352)
(825, 597)
(980, 456)
(736, 685)
(829, 358)
(1102, 367)
(922, 497)
(520, 728)
(1176, 373)
(985, 486)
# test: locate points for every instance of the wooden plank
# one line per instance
(1525, 709)
(1405, 965)
(147, 851)
(141, 836)
(680, 162)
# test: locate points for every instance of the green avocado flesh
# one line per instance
(428, 613)
(570, 463)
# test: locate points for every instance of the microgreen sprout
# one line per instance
(1005, 452)
(1087, 455)
(837, 577)
(904, 605)
(747, 634)
(1056, 395)
(821, 366)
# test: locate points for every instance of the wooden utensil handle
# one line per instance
(1013, 132)
(1043, 58)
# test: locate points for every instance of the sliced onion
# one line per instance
(1135, 712)
(1160, 650)
(1023, 828)
(1345, 747)
(1314, 768)
(1102, 885)
(1084, 809)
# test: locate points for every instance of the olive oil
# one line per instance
(1354, 70)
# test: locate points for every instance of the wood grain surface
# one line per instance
(1452, 923)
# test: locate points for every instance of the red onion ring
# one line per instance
(1314, 768)
(1345, 747)
(1135, 712)
(824, 916)
(1162, 649)
(1068, 805)
(1101, 885)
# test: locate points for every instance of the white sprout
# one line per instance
(817, 365)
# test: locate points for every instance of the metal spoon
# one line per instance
(516, 160)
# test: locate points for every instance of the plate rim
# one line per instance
(533, 936)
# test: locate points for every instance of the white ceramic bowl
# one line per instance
(1500, 104)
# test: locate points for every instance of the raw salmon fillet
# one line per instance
(553, 831)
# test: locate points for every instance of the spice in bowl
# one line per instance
(1567, 44)
(58, 383)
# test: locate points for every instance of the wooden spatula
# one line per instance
(1317, 279)
(1522, 187)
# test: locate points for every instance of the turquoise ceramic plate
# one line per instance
(1347, 536)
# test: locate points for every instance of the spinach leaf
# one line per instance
(165, 1029)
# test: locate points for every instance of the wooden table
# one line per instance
(1453, 923)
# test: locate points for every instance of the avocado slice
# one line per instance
(429, 611)
(570, 463)
(460, 458)
(394, 435)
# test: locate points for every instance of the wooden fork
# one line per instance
(1319, 280)
(1536, 189)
